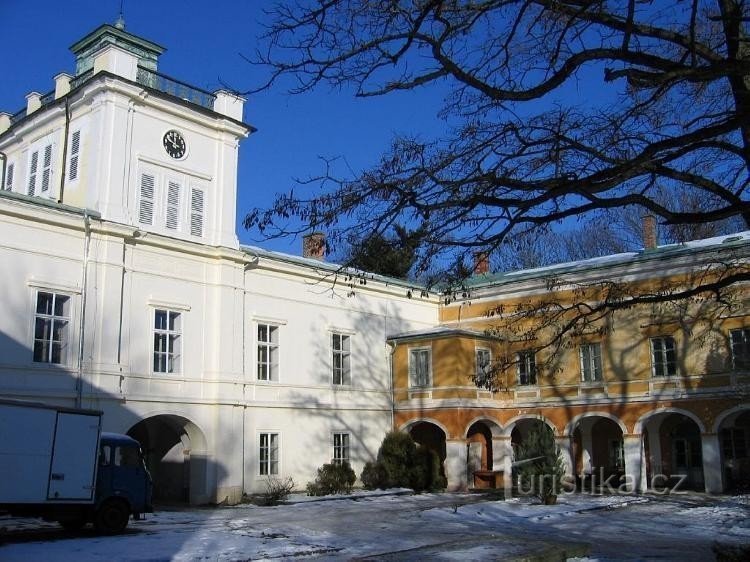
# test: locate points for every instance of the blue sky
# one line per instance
(204, 41)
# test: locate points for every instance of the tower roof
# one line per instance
(147, 51)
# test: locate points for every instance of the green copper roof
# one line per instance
(147, 51)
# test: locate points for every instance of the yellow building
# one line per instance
(650, 390)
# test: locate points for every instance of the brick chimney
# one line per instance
(314, 246)
(649, 232)
(481, 262)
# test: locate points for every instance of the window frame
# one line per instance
(52, 318)
(269, 462)
(662, 363)
(345, 354)
(344, 449)
(412, 366)
(271, 347)
(480, 350)
(176, 356)
(744, 344)
(591, 363)
(10, 175)
(526, 361)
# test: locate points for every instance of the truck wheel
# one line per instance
(112, 517)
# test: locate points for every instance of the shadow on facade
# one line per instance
(174, 479)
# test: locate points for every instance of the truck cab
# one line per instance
(123, 484)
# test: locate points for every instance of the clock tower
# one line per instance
(133, 144)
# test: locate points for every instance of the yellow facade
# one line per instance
(663, 393)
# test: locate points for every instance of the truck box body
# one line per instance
(48, 454)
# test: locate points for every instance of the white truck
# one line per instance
(55, 463)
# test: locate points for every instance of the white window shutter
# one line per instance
(196, 212)
(146, 204)
(173, 205)
(46, 168)
(75, 148)
(9, 172)
(33, 168)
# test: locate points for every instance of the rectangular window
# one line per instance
(482, 360)
(420, 366)
(196, 212)
(616, 453)
(173, 205)
(342, 372)
(46, 168)
(33, 169)
(146, 200)
(167, 341)
(268, 352)
(663, 357)
(9, 173)
(51, 320)
(340, 448)
(268, 454)
(75, 150)
(740, 340)
(591, 362)
(526, 368)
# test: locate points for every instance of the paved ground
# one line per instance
(429, 526)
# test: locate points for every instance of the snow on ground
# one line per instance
(407, 527)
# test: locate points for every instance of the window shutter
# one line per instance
(75, 147)
(196, 212)
(173, 205)
(46, 167)
(9, 177)
(146, 205)
(33, 167)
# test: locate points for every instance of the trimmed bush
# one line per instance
(332, 478)
(397, 454)
(277, 490)
(374, 476)
(403, 464)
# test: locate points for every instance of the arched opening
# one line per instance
(429, 435)
(673, 449)
(484, 470)
(175, 453)
(734, 440)
(520, 431)
(598, 452)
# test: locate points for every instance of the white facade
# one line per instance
(125, 289)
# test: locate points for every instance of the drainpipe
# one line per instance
(390, 373)
(65, 150)
(5, 163)
(248, 265)
(84, 290)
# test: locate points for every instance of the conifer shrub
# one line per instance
(403, 464)
(332, 478)
(374, 476)
(543, 471)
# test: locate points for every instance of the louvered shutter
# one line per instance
(196, 212)
(173, 205)
(146, 204)
(33, 168)
(9, 172)
(75, 148)
(46, 168)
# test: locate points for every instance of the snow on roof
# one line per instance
(659, 252)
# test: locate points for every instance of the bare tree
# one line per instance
(559, 111)
(665, 112)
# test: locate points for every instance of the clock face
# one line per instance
(174, 144)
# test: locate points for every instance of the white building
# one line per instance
(125, 289)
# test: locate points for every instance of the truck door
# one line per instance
(129, 477)
(73, 466)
